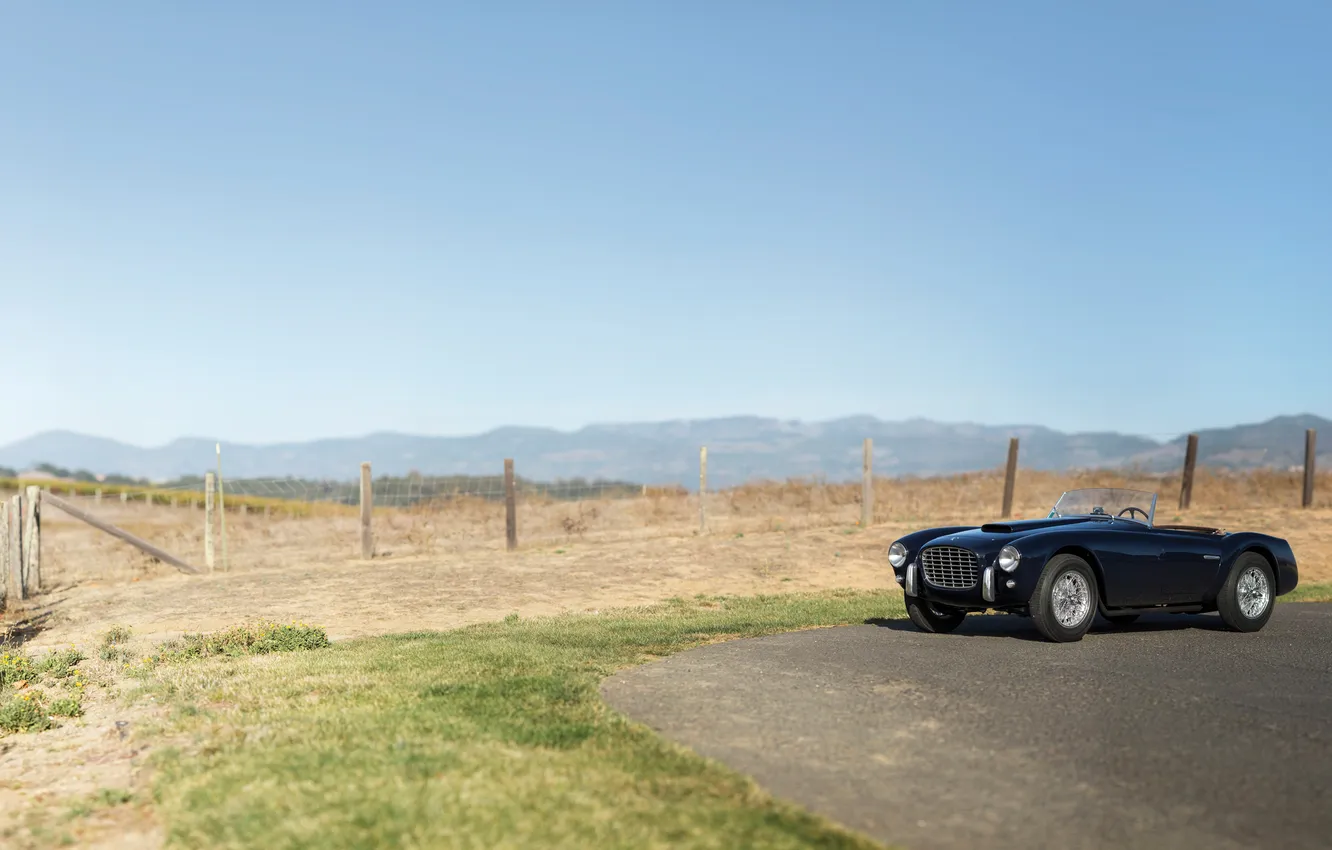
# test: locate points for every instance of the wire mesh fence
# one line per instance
(280, 521)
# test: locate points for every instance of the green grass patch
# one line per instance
(250, 639)
(489, 736)
(1321, 592)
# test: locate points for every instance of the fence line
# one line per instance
(370, 497)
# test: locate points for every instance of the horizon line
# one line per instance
(1153, 436)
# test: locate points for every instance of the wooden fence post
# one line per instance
(32, 540)
(208, 521)
(1310, 442)
(867, 485)
(702, 489)
(510, 507)
(367, 509)
(1190, 461)
(4, 552)
(1010, 477)
(15, 557)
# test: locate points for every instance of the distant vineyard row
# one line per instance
(302, 496)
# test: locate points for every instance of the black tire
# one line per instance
(1043, 603)
(1121, 619)
(1228, 601)
(936, 619)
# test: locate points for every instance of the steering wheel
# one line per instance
(1130, 510)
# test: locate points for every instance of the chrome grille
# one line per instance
(950, 567)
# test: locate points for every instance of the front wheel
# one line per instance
(937, 619)
(1245, 600)
(1064, 603)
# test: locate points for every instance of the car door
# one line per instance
(1189, 563)
(1131, 561)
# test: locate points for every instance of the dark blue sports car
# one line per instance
(1098, 551)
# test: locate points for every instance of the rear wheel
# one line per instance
(928, 617)
(1064, 604)
(1245, 600)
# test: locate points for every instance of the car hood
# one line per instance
(993, 536)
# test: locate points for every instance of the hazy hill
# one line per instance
(739, 448)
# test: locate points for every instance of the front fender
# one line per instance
(1276, 550)
(916, 540)
(1037, 549)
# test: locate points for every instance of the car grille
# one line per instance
(950, 567)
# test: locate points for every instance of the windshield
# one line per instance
(1138, 505)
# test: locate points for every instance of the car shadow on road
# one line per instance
(1021, 628)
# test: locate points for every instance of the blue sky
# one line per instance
(276, 221)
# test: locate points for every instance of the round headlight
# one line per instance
(897, 555)
(1008, 559)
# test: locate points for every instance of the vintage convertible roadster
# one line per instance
(1098, 551)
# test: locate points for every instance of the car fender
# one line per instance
(1276, 550)
(1038, 547)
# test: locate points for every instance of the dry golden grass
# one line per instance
(445, 566)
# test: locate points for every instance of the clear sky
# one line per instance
(264, 221)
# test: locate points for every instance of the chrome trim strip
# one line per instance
(911, 579)
(1211, 557)
(987, 584)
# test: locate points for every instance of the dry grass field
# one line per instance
(444, 567)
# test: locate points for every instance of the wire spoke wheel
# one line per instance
(1072, 599)
(1254, 593)
(1246, 599)
(1064, 602)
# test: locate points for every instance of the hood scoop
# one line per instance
(1022, 525)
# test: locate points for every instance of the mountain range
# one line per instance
(740, 449)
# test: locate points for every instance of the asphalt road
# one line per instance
(1168, 733)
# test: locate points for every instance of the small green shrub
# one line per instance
(16, 667)
(24, 713)
(113, 647)
(116, 635)
(66, 707)
(61, 663)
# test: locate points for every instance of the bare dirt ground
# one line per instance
(437, 569)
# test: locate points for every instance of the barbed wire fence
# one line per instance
(430, 514)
